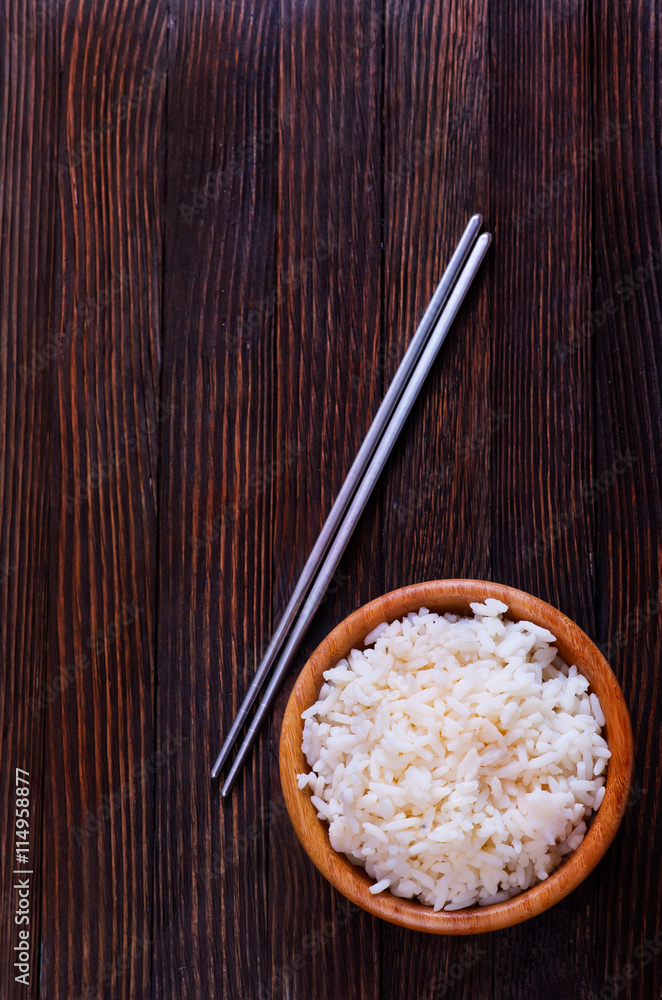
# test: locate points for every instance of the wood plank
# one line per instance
(541, 192)
(328, 388)
(437, 511)
(215, 495)
(542, 538)
(28, 99)
(101, 757)
(624, 330)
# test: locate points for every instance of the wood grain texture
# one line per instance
(28, 102)
(98, 815)
(219, 224)
(624, 330)
(436, 175)
(328, 388)
(215, 494)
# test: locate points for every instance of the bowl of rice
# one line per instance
(456, 756)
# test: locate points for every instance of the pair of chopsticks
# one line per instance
(359, 484)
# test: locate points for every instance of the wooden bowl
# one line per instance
(574, 646)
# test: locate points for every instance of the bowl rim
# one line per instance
(351, 880)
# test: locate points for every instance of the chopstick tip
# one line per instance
(483, 241)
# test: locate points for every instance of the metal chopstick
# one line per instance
(357, 505)
(354, 475)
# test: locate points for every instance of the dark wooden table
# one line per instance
(220, 223)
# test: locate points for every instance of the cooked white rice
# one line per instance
(458, 759)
